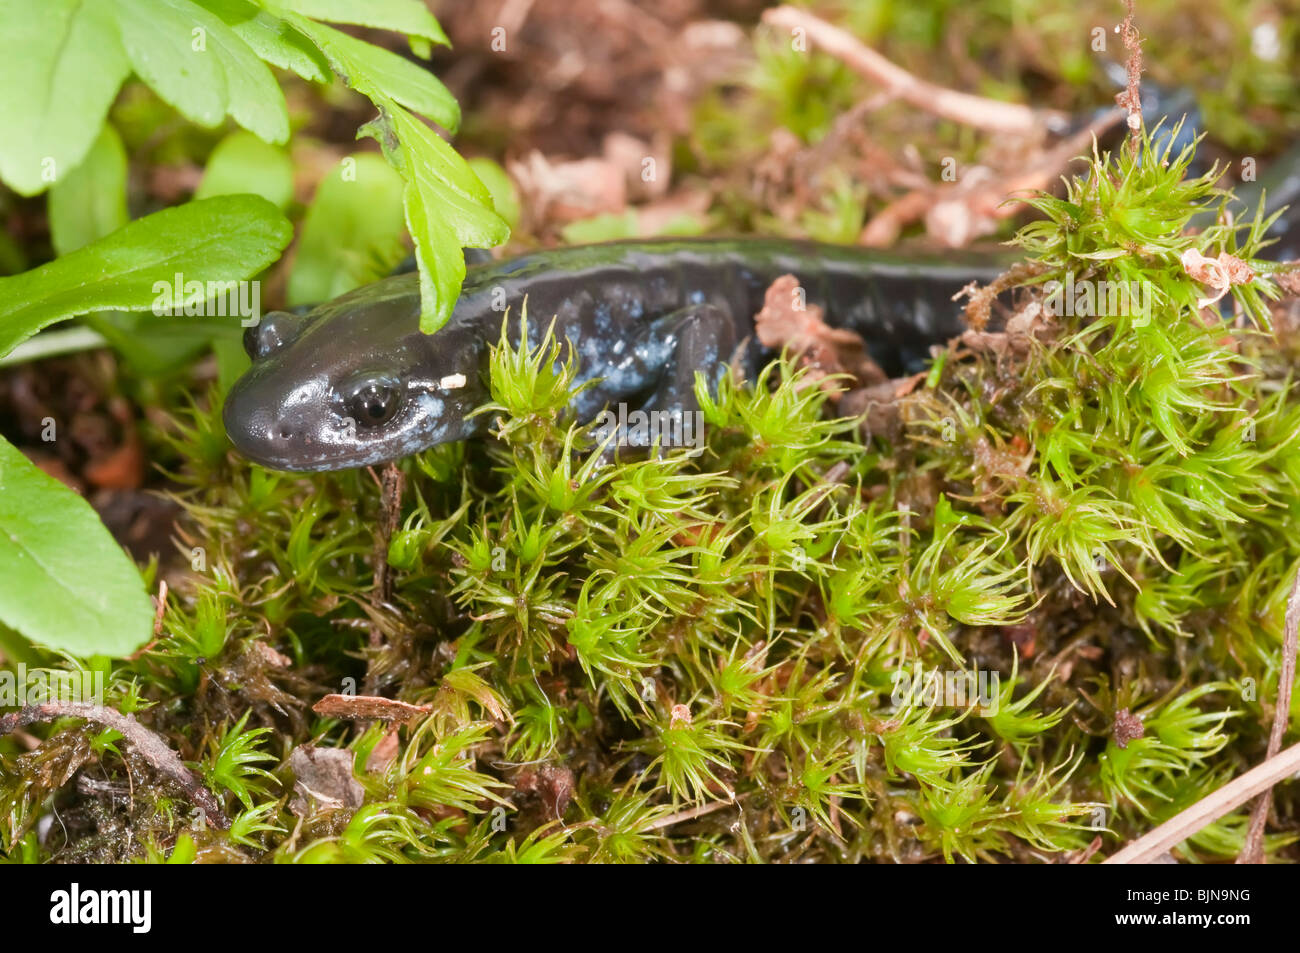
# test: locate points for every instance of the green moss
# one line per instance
(698, 657)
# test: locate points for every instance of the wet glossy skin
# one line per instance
(355, 383)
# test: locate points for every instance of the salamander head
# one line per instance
(355, 383)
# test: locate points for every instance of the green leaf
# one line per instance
(90, 201)
(447, 207)
(411, 17)
(505, 197)
(156, 345)
(352, 233)
(256, 102)
(271, 38)
(375, 72)
(232, 360)
(442, 262)
(242, 163)
(200, 66)
(61, 63)
(159, 41)
(67, 584)
(424, 156)
(607, 227)
(217, 239)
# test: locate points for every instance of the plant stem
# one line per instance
(53, 343)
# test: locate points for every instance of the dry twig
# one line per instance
(1131, 99)
(1209, 809)
(964, 108)
(1252, 852)
(150, 746)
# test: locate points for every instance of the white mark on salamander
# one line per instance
(452, 382)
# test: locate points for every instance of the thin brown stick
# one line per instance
(1252, 852)
(1131, 98)
(150, 746)
(160, 610)
(392, 482)
(688, 815)
(1209, 809)
(964, 108)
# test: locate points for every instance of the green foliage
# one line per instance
(624, 657)
(50, 539)
(212, 240)
(232, 762)
(58, 52)
(90, 201)
(447, 207)
(362, 199)
(244, 163)
(53, 536)
(208, 59)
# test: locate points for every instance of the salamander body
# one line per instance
(354, 382)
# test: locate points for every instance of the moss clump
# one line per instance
(705, 657)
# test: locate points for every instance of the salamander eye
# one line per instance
(272, 332)
(372, 403)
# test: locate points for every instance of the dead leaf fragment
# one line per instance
(567, 191)
(788, 320)
(324, 779)
(384, 753)
(1128, 727)
(552, 783)
(1219, 273)
(363, 707)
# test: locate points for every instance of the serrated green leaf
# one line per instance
(256, 102)
(271, 38)
(61, 64)
(243, 163)
(402, 16)
(216, 239)
(160, 44)
(195, 62)
(447, 208)
(442, 262)
(67, 584)
(505, 197)
(352, 233)
(90, 201)
(449, 184)
(375, 72)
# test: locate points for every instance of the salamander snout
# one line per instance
(277, 430)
